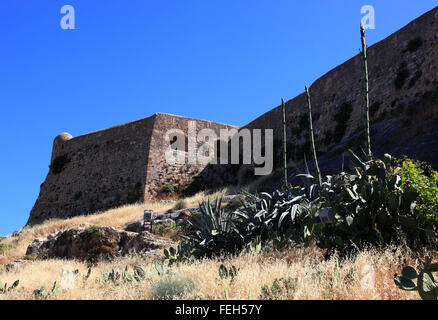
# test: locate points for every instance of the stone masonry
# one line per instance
(112, 167)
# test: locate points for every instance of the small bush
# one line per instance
(59, 163)
(425, 183)
(172, 288)
(171, 190)
(166, 228)
(180, 204)
(3, 247)
(91, 232)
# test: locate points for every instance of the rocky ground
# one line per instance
(91, 243)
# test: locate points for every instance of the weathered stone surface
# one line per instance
(144, 242)
(95, 243)
(15, 265)
(135, 226)
(33, 248)
(406, 119)
(113, 167)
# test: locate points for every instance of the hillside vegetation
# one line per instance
(369, 232)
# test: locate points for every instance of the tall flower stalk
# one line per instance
(284, 143)
(312, 139)
(366, 94)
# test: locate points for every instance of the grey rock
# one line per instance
(103, 243)
(34, 247)
(135, 226)
(14, 265)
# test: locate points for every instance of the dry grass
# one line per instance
(316, 278)
(15, 247)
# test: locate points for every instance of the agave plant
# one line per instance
(215, 230)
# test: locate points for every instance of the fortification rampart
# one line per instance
(112, 167)
(126, 163)
(403, 75)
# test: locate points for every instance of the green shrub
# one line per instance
(90, 232)
(58, 164)
(172, 288)
(180, 204)
(165, 228)
(171, 190)
(421, 179)
(3, 247)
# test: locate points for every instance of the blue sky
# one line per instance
(224, 61)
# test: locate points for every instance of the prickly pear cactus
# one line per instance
(426, 286)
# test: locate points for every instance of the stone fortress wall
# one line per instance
(403, 90)
(112, 167)
(126, 163)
